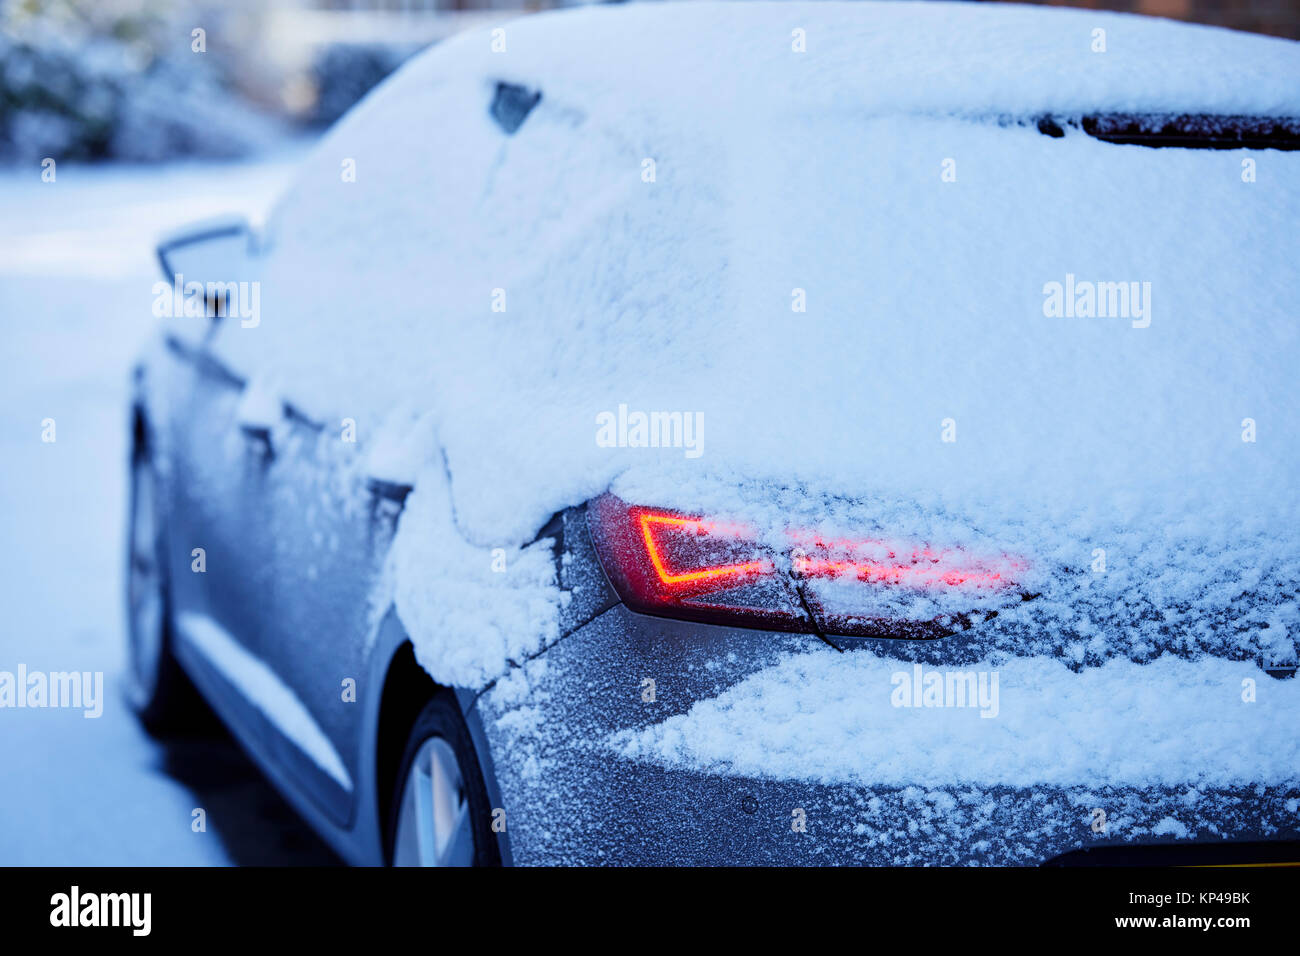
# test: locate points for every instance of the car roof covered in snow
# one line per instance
(896, 56)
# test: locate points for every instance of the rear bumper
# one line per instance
(572, 798)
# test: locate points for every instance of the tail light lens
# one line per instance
(720, 571)
(663, 562)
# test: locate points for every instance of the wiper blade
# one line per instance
(1182, 131)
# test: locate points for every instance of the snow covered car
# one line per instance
(765, 433)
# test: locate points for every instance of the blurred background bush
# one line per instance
(132, 79)
(88, 79)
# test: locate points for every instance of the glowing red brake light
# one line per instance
(888, 563)
(698, 568)
(663, 562)
(654, 523)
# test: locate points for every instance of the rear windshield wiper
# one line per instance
(1183, 131)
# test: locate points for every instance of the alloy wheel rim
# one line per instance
(144, 592)
(433, 823)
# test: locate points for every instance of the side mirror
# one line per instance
(208, 266)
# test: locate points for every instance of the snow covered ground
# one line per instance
(76, 267)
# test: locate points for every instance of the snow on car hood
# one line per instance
(860, 283)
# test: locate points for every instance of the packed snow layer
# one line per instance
(860, 719)
(470, 611)
(849, 323)
(924, 298)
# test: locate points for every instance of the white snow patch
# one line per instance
(924, 297)
(466, 620)
(830, 718)
(401, 447)
(1168, 826)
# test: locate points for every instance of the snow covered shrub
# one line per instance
(344, 73)
(75, 84)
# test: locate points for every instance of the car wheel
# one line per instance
(157, 688)
(441, 815)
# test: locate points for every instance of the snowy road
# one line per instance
(76, 269)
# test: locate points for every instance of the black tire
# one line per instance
(160, 693)
(441, 718)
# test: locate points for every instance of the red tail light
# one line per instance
(662, 562)
(699, 568)
(691, 553)
(895, 563)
